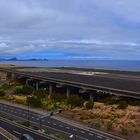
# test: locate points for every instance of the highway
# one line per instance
(18, 130)
(54, 125)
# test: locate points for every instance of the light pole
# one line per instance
(29, 110)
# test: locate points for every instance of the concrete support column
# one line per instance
(37, 85)
(50, 89)
(68, 92)
(13, 75)
(91, 96)
(26, 81)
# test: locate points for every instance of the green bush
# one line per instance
(109, 126)
(2, 93)
(34, 101)
(97, 125)
(109, 101)
(41, 93)
(122, 105)
(25, 90)
(18, 90)
(89, 104)
(58, 97)
(5, 86)
(124, 131)
(75, 101)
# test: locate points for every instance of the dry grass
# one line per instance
(119, 120)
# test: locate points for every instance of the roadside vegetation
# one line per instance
(109, 114)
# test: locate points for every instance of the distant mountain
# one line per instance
(15, 59)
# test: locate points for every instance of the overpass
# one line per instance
(120, 85)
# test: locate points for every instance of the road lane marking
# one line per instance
(99, 137)
(67, 127)
(17, 132)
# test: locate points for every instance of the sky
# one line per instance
(70, 29)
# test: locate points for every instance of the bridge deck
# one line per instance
(121, 83)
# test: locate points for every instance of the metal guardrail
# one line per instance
(4, 135)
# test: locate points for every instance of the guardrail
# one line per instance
(4, 135)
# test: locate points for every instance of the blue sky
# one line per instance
(70, 29)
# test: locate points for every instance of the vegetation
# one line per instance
(75, 101)
(40, 93)
(122, 105)
(34, 101)
(2, 93)
(109, 125)
(89, 104)
(24, 90)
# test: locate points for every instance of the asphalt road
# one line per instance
(49, 123)
(18, 131)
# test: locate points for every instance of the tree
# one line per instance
(89, 104)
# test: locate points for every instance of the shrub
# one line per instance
(5, 86)
(97, 125)
(109, 126)
(124, 131)
(41, 93)
(34, 101)
(122, 105)
(18, 90)
(25, 90)
(109, 101)
(89, 104)
(2, 93)
(58, 97)
(75, 101)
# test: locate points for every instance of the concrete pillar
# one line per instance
(68, 92)
(26, 81)
(50, 89)
(13, 75)
(37, 85)
(91, 96)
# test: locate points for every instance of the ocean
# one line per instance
(97, 64)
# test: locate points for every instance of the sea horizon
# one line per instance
(122, 65)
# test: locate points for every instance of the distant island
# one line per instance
(15, 59)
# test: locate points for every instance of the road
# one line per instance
(18, 131)
(53, 124)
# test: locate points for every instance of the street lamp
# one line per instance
(29, 110)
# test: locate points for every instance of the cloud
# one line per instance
(94, 27)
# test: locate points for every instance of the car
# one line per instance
(26, 137)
